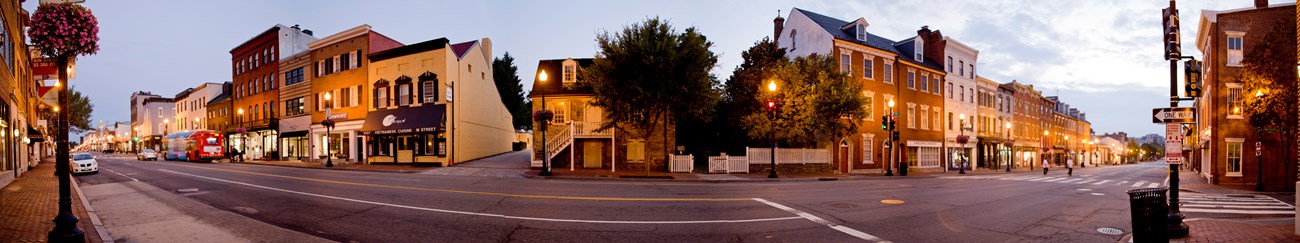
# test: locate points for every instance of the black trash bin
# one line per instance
(1150, 211)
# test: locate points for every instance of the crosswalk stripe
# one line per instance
(1040, 178)
(1153, 185)
(1236, 206)
(1102, 182)
(1138, 184)
(1055, 179)
(1070, 180)
(1234, 203)
(1084, 181)
(1236, 211)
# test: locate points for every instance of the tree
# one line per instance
(815, 102)
(506, 76)
(741, 91)
(1271, 88)
(79, 111)
(647, 74)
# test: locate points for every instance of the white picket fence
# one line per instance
(682, 164)
(789, 155)
(728, 164)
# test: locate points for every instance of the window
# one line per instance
(1235, 48)
(925, 117)
(972, 71)
(925, 80)
(794, 43)
(934, 84)
(345, 61)
(862, 32)
(963, 92)
(559, 112)
(293, 76)
(919, 53)
(911, 116)
(356, 96)
(868, 105)
(949, 90)
(868, 69)
(936, 123)
(272, 56)
(949, 64)
(1234, 156)
(382, 96)
(636, 150)
(429, 90)
(889, 73)
(1235, 101)
(294, 107)
(911, 79)
(867, 145)
(356, 59)
(961, 68)
(404, 94)
(345, 97)
(950, 121)
(845, 64)
(570, 72)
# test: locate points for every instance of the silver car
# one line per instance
(146, 154)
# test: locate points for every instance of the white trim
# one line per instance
(342, 35)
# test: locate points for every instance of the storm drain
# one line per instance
(1110, 231)
(183, 190)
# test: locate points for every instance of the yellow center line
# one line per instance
(477, 192)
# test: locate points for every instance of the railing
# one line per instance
(789, 156)
(682, 163)
(728, 164)
(559, 141)
(588, 129)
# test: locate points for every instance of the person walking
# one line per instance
(1069, 167)
(1045, 166)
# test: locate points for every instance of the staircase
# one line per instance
(562, 139)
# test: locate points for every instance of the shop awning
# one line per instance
(418, 119)
(35, 135)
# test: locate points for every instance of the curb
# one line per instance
(94, 217)
(806, 179)
(324, 168)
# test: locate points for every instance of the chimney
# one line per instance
(925, 31)
(1261, 3)
(777, 25)
(295, 27)
(305, 31)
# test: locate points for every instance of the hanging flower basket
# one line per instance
(543, 115)
(241, 130)
(64, 30)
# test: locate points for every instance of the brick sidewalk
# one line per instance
(28, 205)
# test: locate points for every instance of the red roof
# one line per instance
(461, 48)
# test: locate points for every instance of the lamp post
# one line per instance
(329, 124)
(771, 106)
(243, 136)
(889, 155)
(135, 136)
(164, 138)
(1042, 142)
(1010, 147)
(962, 139)
(546, 152)
(1259, 161)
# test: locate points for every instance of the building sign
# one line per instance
(337, 116)
(1173, 143)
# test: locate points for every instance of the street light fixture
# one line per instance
(889, 163)
(329, 124)
(771, 106)
(243, 136)
(962, 139)
(546, 151)
(1010, 148)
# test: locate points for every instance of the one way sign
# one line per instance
(1173, 115)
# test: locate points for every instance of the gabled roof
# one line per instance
(832, 26)
(908, 51)
(461, 48)
(554, 85)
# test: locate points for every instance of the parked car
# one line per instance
(84, 163)
(146, 154)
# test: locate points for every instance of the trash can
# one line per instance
(1149, 209)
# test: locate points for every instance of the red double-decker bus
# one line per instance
(198, 145)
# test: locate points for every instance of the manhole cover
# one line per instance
(187, 190)
(1110, 231)
(891, 201)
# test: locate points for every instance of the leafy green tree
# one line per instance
(506, 76)
(816, 102)
(648, 73)
(79, 112)
(741, 91)
(1271, 89)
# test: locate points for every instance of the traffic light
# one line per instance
(771, 105)
(1188, 130)
(884, 122)
(1192, 78)
(892, 120)
(894, 135)
(1173, 48)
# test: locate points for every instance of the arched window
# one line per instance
(428, 87)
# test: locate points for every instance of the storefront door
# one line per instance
(592, 153)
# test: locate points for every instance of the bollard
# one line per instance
(1149, 210)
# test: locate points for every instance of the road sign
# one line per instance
(1173, 143)
(1259, 149)
(1173, 115)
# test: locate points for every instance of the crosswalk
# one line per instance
(1153, 165)
(1068, 180)
(1233, 204)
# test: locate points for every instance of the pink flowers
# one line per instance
(64, 29)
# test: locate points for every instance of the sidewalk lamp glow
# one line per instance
(1259, 93)
(771, 85)
(891, 103)
(546, 153)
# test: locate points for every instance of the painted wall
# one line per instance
(483, 127)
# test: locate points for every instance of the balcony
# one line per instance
(588, 130)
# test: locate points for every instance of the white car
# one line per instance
(84, 163)
(146, 154)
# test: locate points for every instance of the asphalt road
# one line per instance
(397, 207)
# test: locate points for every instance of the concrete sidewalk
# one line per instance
(30, 202)
(133, 211)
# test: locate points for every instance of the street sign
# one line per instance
(1173, 115)
(1173, 143)
(1259, 149)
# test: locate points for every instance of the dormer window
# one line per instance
(920, 49)
(862, 32)
(570, 71)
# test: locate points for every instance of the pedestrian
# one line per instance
(1045, 166)
(1069, 166)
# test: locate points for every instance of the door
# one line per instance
(592, 153)
(591, 115)
(842, 155)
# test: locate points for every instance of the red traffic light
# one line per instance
(771, 104)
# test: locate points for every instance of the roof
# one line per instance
(833, 26)
(461, 48)
(273, 28)
(408, 49)
(553, 86)
(905, 48)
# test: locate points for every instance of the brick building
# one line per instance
(339, 69)
(255, 67)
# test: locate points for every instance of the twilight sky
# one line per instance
(1102, 57)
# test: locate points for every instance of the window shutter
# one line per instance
(356, 95)
(374, 98)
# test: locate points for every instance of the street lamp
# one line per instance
(1042, 142)
(243, 136)
(771, 106)
(1010, 148)
(329, 124)
(546, 151)
(1259, 161)
(135, 137)
(962, 139)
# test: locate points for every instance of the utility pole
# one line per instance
(1176, 227)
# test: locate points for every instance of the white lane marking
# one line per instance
(1055, 179)
(1040, 178)
(1232, 203)
(1233, 211)
(1121, 183)
(819, 220)
(1153, 185)
(1236, 206)
(1070, 180)
(1139, 184)
(115, 172)
(1084, 181)
(1102, 182)
(488, 214)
